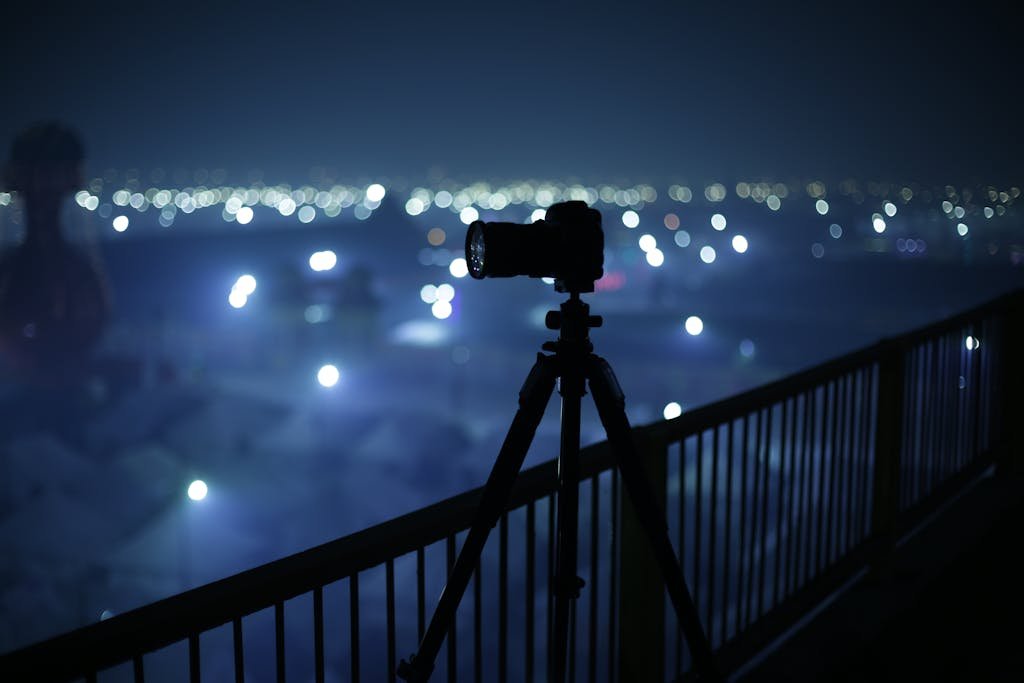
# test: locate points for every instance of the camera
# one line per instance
(567, 245)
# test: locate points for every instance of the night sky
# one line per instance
(595, 91)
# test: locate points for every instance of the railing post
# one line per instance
(642, 589)
(888, 439)
(1011, 387)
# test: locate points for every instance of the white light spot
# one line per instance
(707, 254)
(889, 208)
(328, 375)
(773, 202)
(120, 223)
(878, 223)
(286, 207)
(718, 222)
(682, 238)
(237, 299)
(647, 242)
(428, 293)
(197, 490)
(445, 292)
(375, 192)
(630, 219)
(694, 325)
(414, 206)
(971, 343)
(441, 309)
(739, 243)
(244, 215)
(320, 261)
(468, 215)
(458, 267)
(672, 410)
(835, 230)
(747, 348)
(821, 206)
(307, 214)
(655, 257)
(538, 215)
(989, 212)
(961, 229)
(246, 284)
(443, 199)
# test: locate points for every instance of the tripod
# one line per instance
(573, 363)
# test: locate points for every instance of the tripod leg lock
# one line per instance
(568, 586)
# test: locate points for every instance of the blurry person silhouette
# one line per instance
(54, 301)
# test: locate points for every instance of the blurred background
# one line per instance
(265, 225)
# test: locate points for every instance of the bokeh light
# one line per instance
(197, 490)
(739, 243)
(694, 325)
(328, 375)
(672, 410)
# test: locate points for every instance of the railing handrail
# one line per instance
(173, 619)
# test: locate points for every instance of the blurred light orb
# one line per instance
(889, 208)
(878, 223)
(307, 214)
(441, 309)
(246, 284)
(237, 299)
(672, 410)
(320, 261)
(739, 243)
(445, 292)
(198, 489)
(655, 257)
(375, 192)
(244, 215)
(671, 221)
(458, 267)
(694, 326)
(835, 230)
(428, 293)
(961, 229)
(443, 199)
(120, 223)
(328, 375)
(647, 242)
(707, 254)
(971, 343)
(682, 238)
(630, 219)
(538, 215)
(718, 222)
(817, 250)
(747, 348)
(414, 206)
(468, 215)
(821, 206)
(436, 236)
(989, 212)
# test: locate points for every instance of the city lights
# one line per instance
(672, 410)
(707, 254)
(197, 490)
(694, 326)
(328, 375)
(320, 261)
(739, 244)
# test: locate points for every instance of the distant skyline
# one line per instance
(600, 92)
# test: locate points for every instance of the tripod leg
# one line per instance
(611, 409)
(533, 399)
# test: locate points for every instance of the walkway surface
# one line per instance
(950, 609)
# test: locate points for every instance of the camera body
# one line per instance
(567, 245)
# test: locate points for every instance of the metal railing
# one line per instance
(774, 498)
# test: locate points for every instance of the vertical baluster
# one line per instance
(856, 405)
(279, 640)
(682, 547)
(236, 639)
(593, 588)
(834, 410)
(779, 516)
(712, 534)
(389, 578)
(531, 521)
(915, 399)
(138, 673)
(421, 591)
(741, 623)
(503, 598)
(980, 356)
(809, 547)
(699, 503)
(928, 446)
(753, 516)
(193, 658)
(870, 418)
(353, 622)
(613, 570)
(799, 437)
(551, 575)
(819, 539)
(318, 633)
(724, 629)
(763, 561)
(453, 629)
(478, 657)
